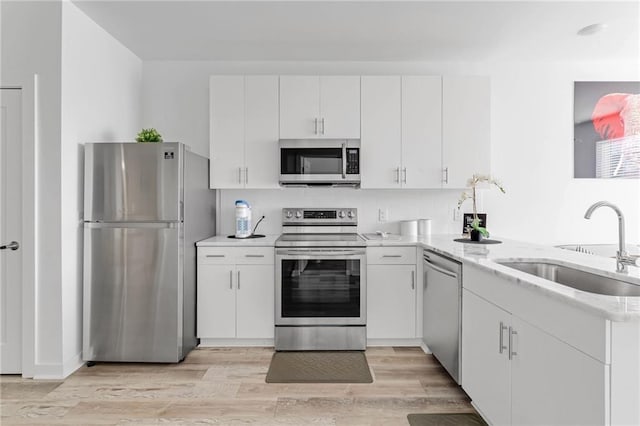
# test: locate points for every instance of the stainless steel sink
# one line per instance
(574, 278)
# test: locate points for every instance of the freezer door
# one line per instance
(133, 292)
(133, 182)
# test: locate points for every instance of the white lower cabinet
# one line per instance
(486, 372)
(517, 374)
(391, 293)
(235, 300)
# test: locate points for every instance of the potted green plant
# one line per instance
(149, 135)
(477, 232)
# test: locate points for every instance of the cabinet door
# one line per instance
(340, 107)
(256, 292)
(261, 132)
(391, 301)
(486, 373)
(299, 106)
(553, 383)
(380, 155)
(421, 132)
(466, 105)
(216, 305)
(226, 144)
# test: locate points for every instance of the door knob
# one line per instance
(13, 245)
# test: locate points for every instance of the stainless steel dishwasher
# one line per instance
(442, 310)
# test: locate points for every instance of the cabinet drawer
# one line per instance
(254, 255)
(391, 255)
(215, 255)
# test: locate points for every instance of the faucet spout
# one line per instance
(622, 258)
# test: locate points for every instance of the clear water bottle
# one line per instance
(243, 219)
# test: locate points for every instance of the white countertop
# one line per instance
(615, 308)
(222, 240)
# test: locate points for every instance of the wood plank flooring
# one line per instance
(226, 386)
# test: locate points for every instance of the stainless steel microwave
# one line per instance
(305, 162)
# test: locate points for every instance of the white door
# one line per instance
(255, 301)
(216, 304)
(299, 106)
(10, 230)
(380, 155)
(391, 302)
(226, 144)
(340, 107)
(466, 112)
(421, 132)
(553, 383)
(261, 132)
(486, 370)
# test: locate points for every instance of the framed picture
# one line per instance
(606, 129)
(467, 218)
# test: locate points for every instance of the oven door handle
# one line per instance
(320, 253)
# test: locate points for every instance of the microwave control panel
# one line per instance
(353, 161)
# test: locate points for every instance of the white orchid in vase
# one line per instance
(470, 193)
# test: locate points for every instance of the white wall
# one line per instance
(532, 148)
(101, 87)
(31, 37)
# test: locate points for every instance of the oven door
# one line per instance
(320, 286)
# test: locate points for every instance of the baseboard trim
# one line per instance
(212, 343)
(58, 371)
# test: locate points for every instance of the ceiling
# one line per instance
(370, 30)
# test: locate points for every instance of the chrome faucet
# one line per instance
(622, 257)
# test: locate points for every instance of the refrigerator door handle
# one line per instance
(156, 225)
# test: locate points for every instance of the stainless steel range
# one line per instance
(320, 281)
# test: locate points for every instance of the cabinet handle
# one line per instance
(446, 175)
(215, 255)
(512, 353)
(413, 280)
(322, 127)
(246, 175)
(391, 255)
(315, 126)
(238, 280)
(254, 255)
(239, 174)
(397, 174)
(230, 280)
(404, 173)
(502, 347)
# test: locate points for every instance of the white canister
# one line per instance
(243, 219)
(409, 227)
(424, 227)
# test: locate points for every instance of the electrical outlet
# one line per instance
(383, 215)
(457, 214)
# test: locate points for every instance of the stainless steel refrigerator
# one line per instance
(145, 206)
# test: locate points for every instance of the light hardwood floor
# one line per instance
(226, 386)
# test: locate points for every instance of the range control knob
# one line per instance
(289, 214)
(341, 214)
(298, 214)
(351, 214)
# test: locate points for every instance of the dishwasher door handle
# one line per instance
(441, 270)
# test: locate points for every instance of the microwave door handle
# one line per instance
(344, 161)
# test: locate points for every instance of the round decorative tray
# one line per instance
(485, 241)
(246, 238)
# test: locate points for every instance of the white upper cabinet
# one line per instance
(466, 134)
(421, 131)
(244, 132)
(401, 132)
(326, 107)
(226, 143)
(380, 153)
